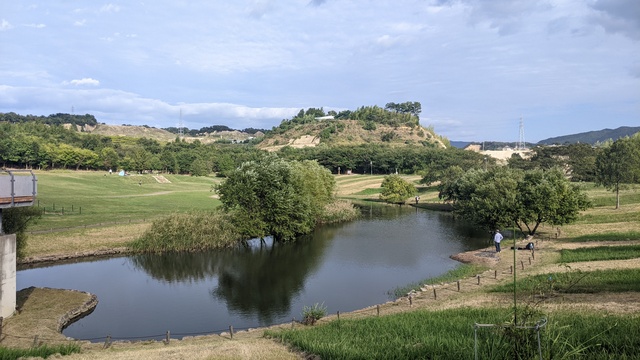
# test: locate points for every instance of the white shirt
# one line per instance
(498, 237)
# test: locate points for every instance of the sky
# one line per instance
(479, 68)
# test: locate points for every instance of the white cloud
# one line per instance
(110, 8)
(5, 25)
(80, 22)
(83, 82)
(37, 26)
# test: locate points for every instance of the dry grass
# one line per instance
(83, 240)
(39, 313)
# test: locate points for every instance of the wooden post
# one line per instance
(378, 309)
(511, 269)
(35, 341)
(231, 331)
(1, 320)
(338, 313)
(529, 260)
(410, 300)
(458, 285)
(522, 263)
(478, 279)
(435, 296)
(495, 274)
(168, 337)
(107, 342)
(533, 254)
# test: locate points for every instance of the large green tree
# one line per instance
(503, 197)
(546, 196)
(619, 164)
(272, 196)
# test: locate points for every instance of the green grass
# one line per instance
(460, 272)
(449, 334)
(604, 218)
(97, 197)
(38, 352)
(591, 282)
(600, 253)
(619, 236)
(189, 232)
(369, 191)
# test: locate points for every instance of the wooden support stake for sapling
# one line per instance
(378, 309)
(410, 300)
(435, 296)
(522, 263)
(495, 274)
(231, 331)
(478, 279)
(458, 285)
(168, 337)
(529, 260)
(511, 269)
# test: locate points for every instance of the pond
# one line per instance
(345, 267)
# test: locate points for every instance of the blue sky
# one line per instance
(476, 66)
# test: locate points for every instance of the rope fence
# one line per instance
(109, 339)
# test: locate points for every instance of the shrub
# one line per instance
(311, 314)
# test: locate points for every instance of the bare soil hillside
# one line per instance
(351, 132)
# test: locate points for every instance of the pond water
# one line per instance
(345, 267)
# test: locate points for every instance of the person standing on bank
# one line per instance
(496, 240)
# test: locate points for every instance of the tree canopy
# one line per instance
(619, 164)
(503, 197)
(272, 196)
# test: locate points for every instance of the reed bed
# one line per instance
(43, 351)
(449, 334)
(339, 211)
(188, 232)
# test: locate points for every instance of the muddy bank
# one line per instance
(63, 258)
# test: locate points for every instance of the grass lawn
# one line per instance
(90, 198)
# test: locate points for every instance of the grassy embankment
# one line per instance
(407, 331)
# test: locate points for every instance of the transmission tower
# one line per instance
(521, 142)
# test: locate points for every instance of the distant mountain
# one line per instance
(460, 144)
(592, 137)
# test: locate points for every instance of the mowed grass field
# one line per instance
(79, 198)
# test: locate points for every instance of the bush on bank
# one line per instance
(189, 232)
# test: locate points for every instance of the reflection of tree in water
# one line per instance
(264, 280)
(180, 267)
(256, 279)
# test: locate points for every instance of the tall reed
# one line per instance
(189, 232)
